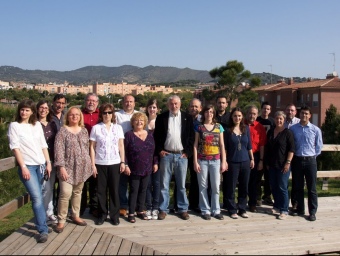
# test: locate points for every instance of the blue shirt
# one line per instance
(308, 139)
(231, 141)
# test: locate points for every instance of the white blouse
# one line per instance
(107, 150)
(30, 140)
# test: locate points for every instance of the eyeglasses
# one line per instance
(107, 113)
(91, 100)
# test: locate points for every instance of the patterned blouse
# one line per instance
(72, 152)
(209, 142)
(139, 154)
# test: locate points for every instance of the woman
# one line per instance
(26, 140)
(140, 162)
(50, 131)
(209, 160)
(153, 191)
(107, 157)
(240, 160)
(73, 163)
(280, 149)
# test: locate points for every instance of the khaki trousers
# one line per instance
(68, 191)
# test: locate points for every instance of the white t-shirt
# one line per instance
(30, 140)
(124, 119)
(107, 150)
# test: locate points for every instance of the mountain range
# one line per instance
(126, 73)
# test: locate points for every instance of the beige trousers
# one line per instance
(68, 191)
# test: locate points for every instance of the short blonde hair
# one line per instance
(137, 116)
(81, 121)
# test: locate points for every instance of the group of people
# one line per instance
(124, 160)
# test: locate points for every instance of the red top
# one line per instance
(258, 135)
(90, 119)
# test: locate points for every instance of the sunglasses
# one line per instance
(107, 113)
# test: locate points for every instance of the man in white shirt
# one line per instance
(290, 116)
(123, 118)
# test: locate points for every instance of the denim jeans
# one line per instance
(177, 164)
(34, 188)
(47, 192)
(305, 168)
(279, 184)
(153, 192)
(209, 168)
(238, 173)
(123, 191)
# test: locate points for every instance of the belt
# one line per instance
(305, 157)
(174, 152)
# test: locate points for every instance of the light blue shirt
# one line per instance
(308, 139)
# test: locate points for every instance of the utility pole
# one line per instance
(333, 53)
(271, 72)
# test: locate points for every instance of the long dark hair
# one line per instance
(231, 122)
(102, 108)
(27, 104)
(150, 102)
(42, 102)
(206, 108)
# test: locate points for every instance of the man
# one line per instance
(195, 108)
(290, 121)
(268, 123)
(174, 138)
(290, 116)
(91, 116)
(58, 106)
(258, 141)
(308, 145)
(222, 116)
(123, 118)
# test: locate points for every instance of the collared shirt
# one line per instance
(308, 139)
(288, 124)
(59, 122)
(223, 119)
(173, 140)
(258, 135)
(90, 119)
(124, 119)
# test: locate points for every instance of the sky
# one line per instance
(284, 37)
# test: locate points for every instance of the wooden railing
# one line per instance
(9, 163)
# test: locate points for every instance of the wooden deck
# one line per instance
(262, 234)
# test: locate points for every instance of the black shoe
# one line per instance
(206, 216)
(219, 216)
(115, 221)
(268, 201)
(42, 238)
(100, 221)
(296, 213)
(312, 217)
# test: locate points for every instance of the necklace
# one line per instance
(239, 146)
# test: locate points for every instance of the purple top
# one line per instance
(139, 154)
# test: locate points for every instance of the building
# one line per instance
(317, 94)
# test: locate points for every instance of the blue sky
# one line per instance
(294, 37)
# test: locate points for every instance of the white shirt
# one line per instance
(173, 140)
(30, 140)
(288, 124)
(123, 119)
(107, 150)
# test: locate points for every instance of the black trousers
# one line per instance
(193, 189)
(91, 186)
(108, 184)
(253, 181)
(138, 187)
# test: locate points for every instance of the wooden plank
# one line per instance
(114, 246)
(69, 241)
(330, 147)
(14, 205)
(13, 238)
(328, 174)
(125, 247)
(147, 250)
(7, 163)
(92, 242)
(103, 244)
(38, 249)
(78, 245)
(136, 249)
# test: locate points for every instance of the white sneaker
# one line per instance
(155, 214)
(52, 219)
(148, 214)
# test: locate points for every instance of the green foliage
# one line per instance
(247, 98)
(10, 186)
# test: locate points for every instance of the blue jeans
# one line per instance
(279, 184)
(177, 164)
(47, 192)
(153, 191)
(34, 188)
(123, 191)
(209, 168)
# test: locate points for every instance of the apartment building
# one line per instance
(317, 94)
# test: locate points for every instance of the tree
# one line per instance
(247, 98)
